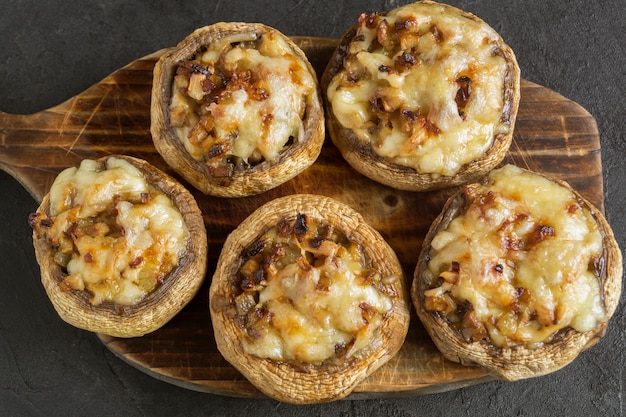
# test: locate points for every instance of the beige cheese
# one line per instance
(247, 95)
(316, 310)
(421, 87)
(524, 254)
(118, 236)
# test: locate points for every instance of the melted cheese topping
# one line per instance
(242, 99)
(309, 296)
(423, 86)
(519, 264)
(117, 236)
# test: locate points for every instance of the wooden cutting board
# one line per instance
(553, 135)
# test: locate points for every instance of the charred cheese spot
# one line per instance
(306, 294)
(425, 88)
(519, 264)
(240, 102)
(114, 234)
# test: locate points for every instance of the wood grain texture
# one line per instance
(553, 135)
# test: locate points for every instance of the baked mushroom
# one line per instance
(518, 275)
(307, 300)
(422, 97)
(236, 109)
(122, 247)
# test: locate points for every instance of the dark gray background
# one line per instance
(53, 50)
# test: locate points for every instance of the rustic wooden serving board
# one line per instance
(553, 135)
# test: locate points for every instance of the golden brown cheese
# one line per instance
(117, 236)
(425, 88)
(519, 264)
(308, 295)
(240, 102)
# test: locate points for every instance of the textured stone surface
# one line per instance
(51, 51)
